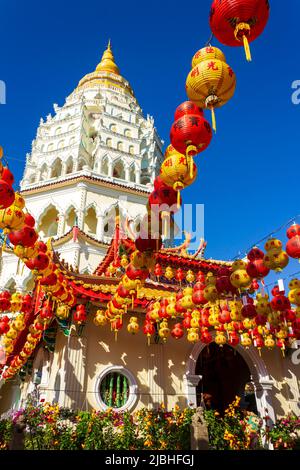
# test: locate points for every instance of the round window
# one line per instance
(114, 389)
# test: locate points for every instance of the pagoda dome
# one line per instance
(107, 74)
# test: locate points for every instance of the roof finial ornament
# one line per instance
(107, 63)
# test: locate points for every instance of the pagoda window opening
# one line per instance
(120, 146)
(127, 133)
(110, 221)
(32, 179)
(118, 170)
(69, 166)
(81, 164)
(131, 150)
(72, 141)
(50, 147)
(90, 221)
(113, 128)
(104, 167)
(61, 144)
(44, 172)
(70, 219)
(57, 169)
(58, 131)
(109, 142)
(49, 222)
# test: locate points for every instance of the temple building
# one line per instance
(92, 163)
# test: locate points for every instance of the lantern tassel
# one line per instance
(247, 48)
(213, 119)
(178, 199)
(148, 340)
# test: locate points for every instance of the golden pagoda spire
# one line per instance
(107, 63)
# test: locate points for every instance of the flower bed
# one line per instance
(49, 427)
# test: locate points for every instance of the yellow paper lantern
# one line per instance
(275, 258)
(176, 172)
(133, 326)
(220, 338)
(11, 218)
(211, 82)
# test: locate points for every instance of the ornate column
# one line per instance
(263, 394)
(100, 226)
(61, 224)
(191, 382)
(110, 168)
(138, 175)
(81, 212)
(127, 173)
(63, 168)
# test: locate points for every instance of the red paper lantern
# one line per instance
(136, 273)
(256, 268)
(80, 314)
(26, 305)
(238, 22)
(46, 312)
(198, 294)
(177, 331)
(26, 237)
(4, 301)
(4, 327)
(7, 195)
(7, 176)
(206, 337)
(187, 107)
(233, 339)
(280, 302)
(293, 245)
(29, 220)
(248, 310)
(158, 270)
(148, 329)
(179, 275)
(191, 130)
(223, 283)
(186, 322)
(49, 280)
(261, 320)
(224, 315)
(122, 292)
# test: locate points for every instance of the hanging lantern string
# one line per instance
(208, 43)
(283, 279)
(290, 221)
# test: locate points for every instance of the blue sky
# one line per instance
(248, 178)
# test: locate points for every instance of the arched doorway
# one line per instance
(263, 383)
(225, 375)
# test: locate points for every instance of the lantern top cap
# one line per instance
(107, 63)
